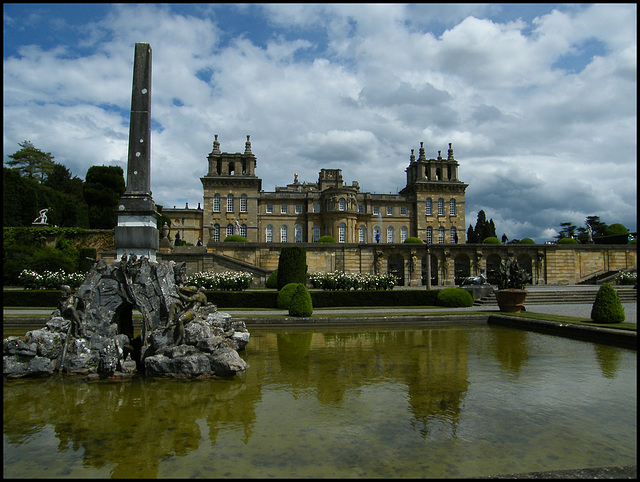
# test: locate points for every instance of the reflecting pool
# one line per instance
(458, 401)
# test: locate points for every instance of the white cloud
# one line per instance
(353, 87)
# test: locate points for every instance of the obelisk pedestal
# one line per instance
(137, 229)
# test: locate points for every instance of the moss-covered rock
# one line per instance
(607, 307)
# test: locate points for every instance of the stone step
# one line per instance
(626, 295)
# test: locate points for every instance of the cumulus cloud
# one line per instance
(540, 107)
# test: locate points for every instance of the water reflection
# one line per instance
(338, 402)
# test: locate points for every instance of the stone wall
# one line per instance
(550, 264)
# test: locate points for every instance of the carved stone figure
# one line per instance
(42, 217)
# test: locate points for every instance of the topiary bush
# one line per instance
(272, 280)
(235, 238)
(454, 298)
(326, 239)
(285, 295)
(527, 241)
(567, 241)
(301, 304)
(414, 240)
(292, 266)
(607, 307)
(491, 240)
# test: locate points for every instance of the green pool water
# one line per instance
(459, 401)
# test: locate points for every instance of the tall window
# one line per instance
(216, 233)
(454, 234)
(269, 208)
(216, 203)
(440, 207)
(403, 210)
(283, 233)
(390, 234)
(440, 235)
(403, 233)
(243, 230)
(284, 209)
(376, 210)
(389, 210)
(342, 233)
(298, 233)
(377, 234)
(316, 208)
(269, 234)
(452, 207)
(362, 233)
(341, 204)
(243, 203)
(298, 208)
(316, 233)
(430, 235)
(429, 206)
(230, 203)
(229, 229)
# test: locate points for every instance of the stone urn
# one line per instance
(511, 300)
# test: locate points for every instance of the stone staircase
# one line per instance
(565, 294)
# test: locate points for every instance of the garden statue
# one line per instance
(42, 217)
(475, 280)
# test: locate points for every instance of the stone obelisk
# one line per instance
(137, 229)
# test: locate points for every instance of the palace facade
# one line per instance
(431, 206)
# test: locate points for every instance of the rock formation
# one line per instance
(91, 332)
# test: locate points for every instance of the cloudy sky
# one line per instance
(539, 100)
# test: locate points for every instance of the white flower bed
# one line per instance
(339, 280)
(49, 280)
(227, 281)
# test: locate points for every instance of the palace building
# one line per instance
(430, 207)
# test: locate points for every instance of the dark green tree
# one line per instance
(102, 189)
(568, 231)
(484, 229)
(31, 162)
(60, 180)
(292, 266)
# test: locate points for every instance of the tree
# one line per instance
(102, 189)
(31, 162)
(484, 229)
(568, 231)
(60, 180)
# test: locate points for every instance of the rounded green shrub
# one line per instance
(454, 298)
(567, 241)
(235, 238)
(326, 239)
(607, 307)
(272, 280)
(285, 295)
(412, 239)
(527, 241)
(491, 240)
(300, 304)
(614, 229)
(292, 266)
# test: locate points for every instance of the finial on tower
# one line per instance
(247, 146)
(450, 156)
(412, 158)
(216, 145)
(422, 157)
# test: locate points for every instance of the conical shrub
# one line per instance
(300, 304)
(607, 307)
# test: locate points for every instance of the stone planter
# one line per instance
(510, 300)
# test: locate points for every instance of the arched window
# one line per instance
(342, 233)
(243, 203)
(440, 235)
(283, 233)
(230, 203)
(216, 203)
(377, 234)
(452, 207)
(243, 230)
(429, 207)
(316, 233)
(229, 229)
(298, 233)
(440, 207)
(403, 234)
(454, 235)
(390, 234)
(269, 234)
(362, 234)
(341, 203)
(216, 233)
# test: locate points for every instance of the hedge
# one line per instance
(259, 298)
